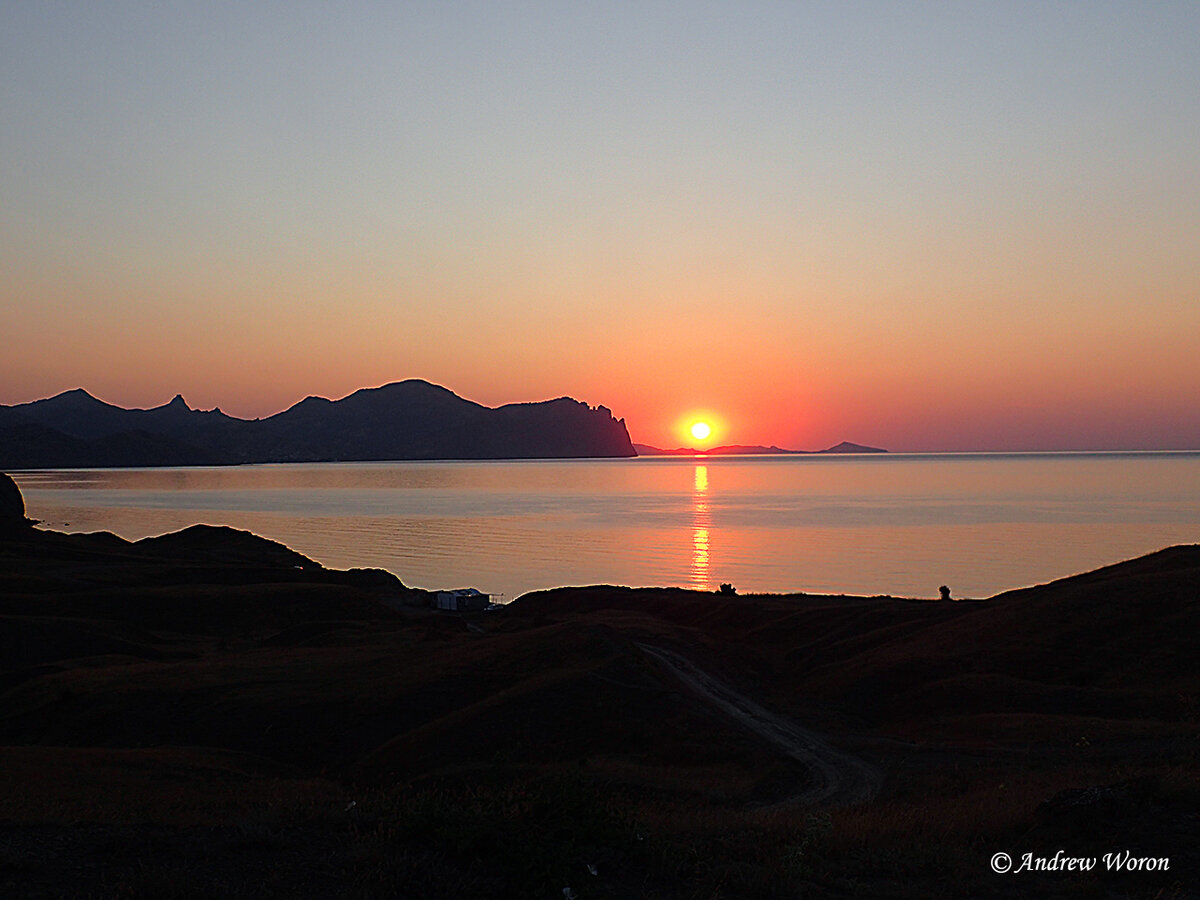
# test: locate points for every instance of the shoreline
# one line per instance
(209, 707)
(876, 525)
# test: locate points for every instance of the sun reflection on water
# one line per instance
(701, 523)
(901, 524)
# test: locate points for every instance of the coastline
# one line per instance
(211, 706)
(888, 523)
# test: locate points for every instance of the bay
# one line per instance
(900, 524)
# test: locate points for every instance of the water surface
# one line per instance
(899, 524)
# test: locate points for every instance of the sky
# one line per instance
(919, 226)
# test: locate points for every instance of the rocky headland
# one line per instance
(406, 420)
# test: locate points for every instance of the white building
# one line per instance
(463, 600)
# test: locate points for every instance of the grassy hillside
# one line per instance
(211, 714)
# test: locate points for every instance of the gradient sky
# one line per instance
(922, 226)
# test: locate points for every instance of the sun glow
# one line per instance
(699, 428)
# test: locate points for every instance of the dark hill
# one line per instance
(80, 415)
(12, 508)
(210, 708)
(1116, 645)
(407, 420)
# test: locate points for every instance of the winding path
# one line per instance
(837, 778)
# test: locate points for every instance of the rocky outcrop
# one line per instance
(12, 509)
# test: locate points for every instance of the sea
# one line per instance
(898, 524)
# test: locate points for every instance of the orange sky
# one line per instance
(921, 229)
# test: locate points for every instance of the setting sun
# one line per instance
(699, 426)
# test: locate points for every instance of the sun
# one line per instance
(699, 427)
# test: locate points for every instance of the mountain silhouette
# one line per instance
(405, 420)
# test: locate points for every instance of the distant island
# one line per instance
(406, 420)
(751, 450)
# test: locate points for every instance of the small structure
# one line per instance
(463, 600)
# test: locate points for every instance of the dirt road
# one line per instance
(837, 778)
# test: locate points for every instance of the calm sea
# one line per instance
(899, 524)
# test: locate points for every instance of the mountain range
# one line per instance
(406, 420)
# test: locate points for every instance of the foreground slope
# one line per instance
(212, 709)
